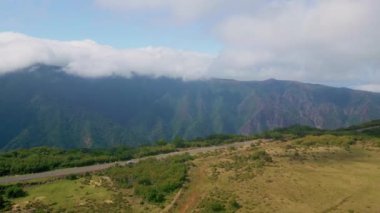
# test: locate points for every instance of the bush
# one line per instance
(155, 196)
(152, 179)
(14, 192)
(2, 202)
(5, 204)
(72, 177)
(296, 157)
(217, 206)
(261, 155)
(234, 204)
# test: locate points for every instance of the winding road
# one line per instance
(99, 167)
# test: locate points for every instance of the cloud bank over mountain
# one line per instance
(334, 42)
(89, 59)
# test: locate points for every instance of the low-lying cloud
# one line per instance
(335, 42)
(89, 59)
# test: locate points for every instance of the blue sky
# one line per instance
(334, 42)
(76, 20)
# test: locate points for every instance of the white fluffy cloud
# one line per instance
(321, 41)
(333, 42)
(324, 41)
(87, 58)
(369, 87)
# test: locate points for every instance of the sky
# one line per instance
(333, 42)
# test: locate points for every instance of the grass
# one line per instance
(66, 194)
(328, 178)
(147, 186)
(324, 173)
(152, 179)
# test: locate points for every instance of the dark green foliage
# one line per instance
(371, 124)
(219, 201)
(40, 159)
(217, 207)
(291, 132)
(8, 192)
(161, 142)
(325, 140)
(178, 142)
(218, 139)
(72, 177)
(4, 203)
(14, 191)
(43, 159)
(152, 179)
(234, 204)
(261, 155)
(370, 129)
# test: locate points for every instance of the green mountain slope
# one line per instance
(49, 107)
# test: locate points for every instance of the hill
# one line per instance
(44, 106)
(324, 172)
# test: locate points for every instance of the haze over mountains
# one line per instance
(48, 107)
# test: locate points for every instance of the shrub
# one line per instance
(216, 206)
(234, 204)
(5, 204)
(296, 157)
(261, 155)
(72, 177)
(152, 179)
(14, 192)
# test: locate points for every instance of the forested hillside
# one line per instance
(44, 106)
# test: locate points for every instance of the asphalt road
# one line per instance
(99, 167)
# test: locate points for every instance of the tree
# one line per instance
(178, 142)
(161, 142)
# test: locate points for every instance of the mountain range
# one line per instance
(45, 106)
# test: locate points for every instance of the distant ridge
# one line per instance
(47, 107)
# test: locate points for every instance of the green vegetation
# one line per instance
(61, 195)
(152, 179)
(9, 192)
(44, 159)
(325, 140)
(14, 191)
(291, 132)
(367, 133)
(48, 107)
(140, 187)
(218, 139)
(307, 173)
(219, 201)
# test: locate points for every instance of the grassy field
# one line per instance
(148, 186)
(316, 179)
(311, 174)
(66, 194)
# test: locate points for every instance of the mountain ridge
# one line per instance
(46, 106)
